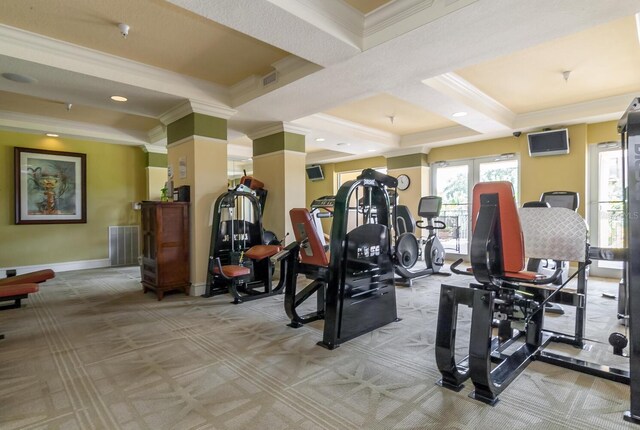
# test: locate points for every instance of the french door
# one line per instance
(453, 182)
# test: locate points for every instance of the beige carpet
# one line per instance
(90, 351)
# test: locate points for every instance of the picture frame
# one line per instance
(50, 187)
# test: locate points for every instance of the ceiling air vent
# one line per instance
(270, 78)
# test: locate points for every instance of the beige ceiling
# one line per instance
(376, 112)
(54, 109)
(161, 35)
(366, 6)
(604, 61)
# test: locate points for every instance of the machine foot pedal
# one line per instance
(452, 387)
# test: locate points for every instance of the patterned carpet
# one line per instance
(90, 351)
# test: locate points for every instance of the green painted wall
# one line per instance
(115, 178)
(199, 125)
(405, 161)
(278, 142)
(156, 160)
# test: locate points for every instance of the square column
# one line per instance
(197, 157)
(279, 162)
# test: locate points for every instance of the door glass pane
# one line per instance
(452, 185)
(610, 211)
(504, 170)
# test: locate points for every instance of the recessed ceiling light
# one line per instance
(119, 98)
(459, 114)
(23, 79)
(53, 135)
(371, 150)
(320, 139)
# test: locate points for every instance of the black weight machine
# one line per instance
(354, 284)
(505, 293)
(407, 245)
(240, 251)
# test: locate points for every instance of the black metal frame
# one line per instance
(224, 252)
(498, 296)
(355, 294)
(293, 299)
(629, 129)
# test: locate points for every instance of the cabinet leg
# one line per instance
(160, 294)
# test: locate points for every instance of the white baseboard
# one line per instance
(197, 290)
(59, 267)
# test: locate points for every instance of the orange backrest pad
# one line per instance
(512, 240)
(304, 228)
(29, 278)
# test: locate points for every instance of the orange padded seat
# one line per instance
(304, 230)
(512, 239)
(258, 252)
(29, 278)
(18, 289)
(233, 271)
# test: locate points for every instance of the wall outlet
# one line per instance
(136, 206)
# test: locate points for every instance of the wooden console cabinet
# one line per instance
(165, 247)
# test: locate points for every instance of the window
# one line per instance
(605, 211)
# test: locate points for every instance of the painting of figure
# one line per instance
(50, 187)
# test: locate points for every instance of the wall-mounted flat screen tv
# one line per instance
(552, 142)
(314, 173)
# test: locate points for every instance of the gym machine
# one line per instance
(629, 129)
(313, 261)
(505, 293)
(240, 251)
(357, 278)
(407, 246)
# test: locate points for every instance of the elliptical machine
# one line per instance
(407, 246)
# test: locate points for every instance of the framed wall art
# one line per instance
(50, 187)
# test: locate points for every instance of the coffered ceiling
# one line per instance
(338, 69)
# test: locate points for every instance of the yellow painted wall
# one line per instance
(603, 132)
(418, 187)
(115, 179)
(156, 178)
(537, 174)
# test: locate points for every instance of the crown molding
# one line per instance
(155, 149)
(194, 106)
(401, 16)
(349, 129)
(40, 49)
(454, 86)
(334, 17)
(437, 136)
(277, 128)
(605, 109)
(289, 69)
(158, 134)
(79, 130)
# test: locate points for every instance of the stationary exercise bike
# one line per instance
(407, 245)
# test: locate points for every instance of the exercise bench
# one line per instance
(19, 287)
